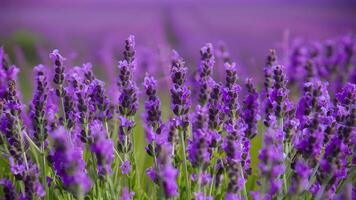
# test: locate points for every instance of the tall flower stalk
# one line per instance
(128, 105)
(180, 95)
(39, 118)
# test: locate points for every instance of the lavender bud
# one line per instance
(69, 164)
(129, 52)
(214, 107)
(153, 105)
(205, 70)
(58, 79)
(250, 114)
(270, 62)
(231, 75)
(102, 147)
(39, 104)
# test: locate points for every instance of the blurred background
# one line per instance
(94, 30)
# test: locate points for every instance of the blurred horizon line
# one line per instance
(318, 3)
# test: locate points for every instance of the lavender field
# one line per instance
(232, 100)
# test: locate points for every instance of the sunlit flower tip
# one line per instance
(131, 41)
(177, 60)
(149, 83)
(87, 67)
(56, 57)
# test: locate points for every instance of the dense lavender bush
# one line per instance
(75, 140)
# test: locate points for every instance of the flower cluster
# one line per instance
(293, 139)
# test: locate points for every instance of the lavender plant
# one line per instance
(293, 139)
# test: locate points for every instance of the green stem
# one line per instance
(212, 184)
(185, 162)
(136, 166)
(43, 170)
(244, 187)
(214, 174)
(285, 148)
(60, 88)
(20, 132)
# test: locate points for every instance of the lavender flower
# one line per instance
(129, 52)
(333, 168)
(214, 107)
(8, 189)
(33, 188)
(21, 165)
(153, 119)
(172, 132)
(346, 112)
(231, 75)
(125, 132)
(271, 162)
(270, 62)
(7, 73)
(102, 147)
(128, 103)
(300, 178)
(280, 92)
(68, 163)
(69, 108)
(250, 114)
(164, 174)
(231, 104)
(99, 104)
(313, 113)
(219, 172)
(205, 69)
(151, 173)
(58, 79)
(233, 147)
(10, 121)
(88, 73)
(125, 167)
(39, 104)
(167, 173)
(199, 119)
(180, 93)
(126, 194)
(198, 149)
(152, 106)
(125, 73)
(180, 100)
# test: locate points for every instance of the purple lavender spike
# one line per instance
(39, 105)
(205, 70)
(250, 114)
(9, 191)
(68, 163)
(102, 147)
